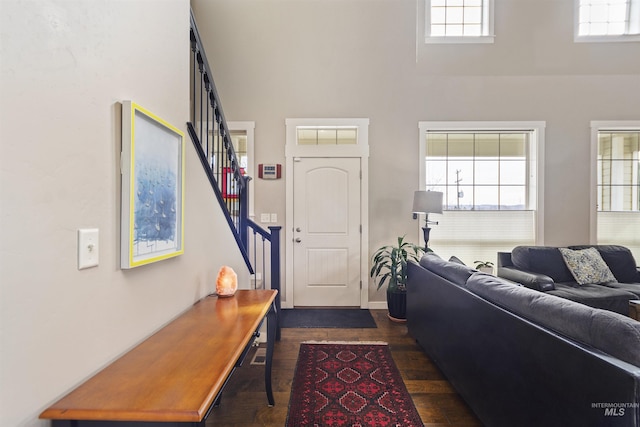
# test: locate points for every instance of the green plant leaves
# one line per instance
(390, 263)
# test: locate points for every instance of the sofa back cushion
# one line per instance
(620, 261)
(609, 332)
(452, 271)
(545, 260)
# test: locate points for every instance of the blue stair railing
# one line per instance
(212, 140)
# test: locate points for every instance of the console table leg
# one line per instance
(271, 336)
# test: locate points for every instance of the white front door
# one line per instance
(326, 232)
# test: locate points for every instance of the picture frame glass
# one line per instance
(152, 184)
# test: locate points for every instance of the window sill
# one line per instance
(608, 39)
(459, 39)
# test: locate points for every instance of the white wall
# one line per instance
(274, 59)
(65, 65)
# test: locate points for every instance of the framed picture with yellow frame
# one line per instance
(152, 165)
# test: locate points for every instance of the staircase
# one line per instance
(211, 138)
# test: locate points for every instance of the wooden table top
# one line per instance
(175, 374)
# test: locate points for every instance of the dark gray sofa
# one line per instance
(520, 357)
(542, 268)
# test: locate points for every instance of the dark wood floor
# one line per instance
(244, 402)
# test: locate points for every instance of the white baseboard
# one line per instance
(377, 305)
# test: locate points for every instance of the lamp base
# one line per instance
(426, 231)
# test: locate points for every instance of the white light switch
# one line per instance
(274, 217)
(88, 252)
(264, 218)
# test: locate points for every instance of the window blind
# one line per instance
(480, 235)
(620, 228)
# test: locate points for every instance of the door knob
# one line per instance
(298, 229)
(298, 240)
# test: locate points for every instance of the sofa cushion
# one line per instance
(609, 332)
(633, 288)
(542, 259)
(452, 271)
(620, 261)
(605, 297)
(587, 266)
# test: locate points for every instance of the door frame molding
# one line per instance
(359, 150)
(248, 127)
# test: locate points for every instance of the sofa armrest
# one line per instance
(504, 259)
(536, 281)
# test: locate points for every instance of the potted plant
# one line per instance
(484, 266)
(390, 267)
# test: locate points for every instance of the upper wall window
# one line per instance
(607, 20)
(459, 21)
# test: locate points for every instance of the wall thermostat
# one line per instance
(269, 171)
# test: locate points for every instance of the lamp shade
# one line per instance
(427, 202)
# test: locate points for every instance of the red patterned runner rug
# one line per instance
(349, 384)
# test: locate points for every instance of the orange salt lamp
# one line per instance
(227, 282)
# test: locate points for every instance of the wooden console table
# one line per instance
(174, 377)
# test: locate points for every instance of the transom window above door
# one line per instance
(324, 135)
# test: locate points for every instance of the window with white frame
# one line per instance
(618, 185)
(327, 135)
(459, 21)
(489, 174)
(607, 20)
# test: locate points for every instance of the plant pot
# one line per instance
(397, 305)
(488, 270)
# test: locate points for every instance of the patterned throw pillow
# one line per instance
(587, 266)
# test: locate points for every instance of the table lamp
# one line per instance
(426, 202)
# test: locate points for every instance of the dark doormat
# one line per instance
(326, 318)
